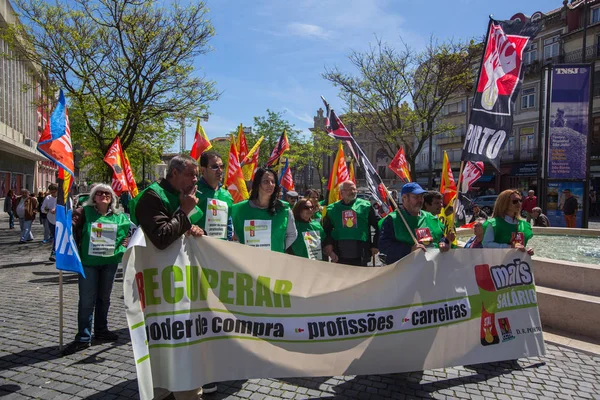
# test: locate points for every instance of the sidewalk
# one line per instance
(31, 366)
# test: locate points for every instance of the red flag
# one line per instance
(282, 146)
(115, 159)
(339, 174)
(241, 144)
(250, 162)
(471, 173)
(201, 142)
(399, 165)
(287, 181)
(235, 178)
(133, 190)
(351, 172)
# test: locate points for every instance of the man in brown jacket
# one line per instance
(25, 207)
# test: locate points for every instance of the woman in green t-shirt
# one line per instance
(263, 220)
(506, 228)
(309, 243)
(101, 231)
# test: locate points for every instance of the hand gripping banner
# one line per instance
(205, 310)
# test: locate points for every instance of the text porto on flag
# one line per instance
(206, 310)
(498, 85)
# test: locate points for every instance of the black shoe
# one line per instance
(209, 388)
(106, 336)
(74, 347)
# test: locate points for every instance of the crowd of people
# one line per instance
(191, 200)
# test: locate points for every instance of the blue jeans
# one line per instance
(25, 229)
(94, 293)
(11, 219)
(48, 230)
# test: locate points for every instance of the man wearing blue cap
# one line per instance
(396, 241)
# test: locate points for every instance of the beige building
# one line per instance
(21, 165)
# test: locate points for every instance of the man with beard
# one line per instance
(347, 226)
(214, 200)
(396, 241)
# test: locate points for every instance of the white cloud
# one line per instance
(308, 30)
(304, 117)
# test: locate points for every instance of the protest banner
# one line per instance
(206, 310)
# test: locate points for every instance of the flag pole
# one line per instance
(60, 310)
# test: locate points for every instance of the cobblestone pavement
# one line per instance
(31, 366)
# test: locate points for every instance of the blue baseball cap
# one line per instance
(412, 187)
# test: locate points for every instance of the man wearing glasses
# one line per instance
(215, 201)
(396, 241)
(347, 226)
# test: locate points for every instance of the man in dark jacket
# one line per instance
(539, 219)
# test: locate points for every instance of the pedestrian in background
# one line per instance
(529, 203)
(9, 202)
(49, 207)
(26, 207)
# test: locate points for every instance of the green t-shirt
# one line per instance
(217, 206)
(503, 231)
(426, 227)
(308, 244)
(102, 237)
(350, 222)
(256, 227)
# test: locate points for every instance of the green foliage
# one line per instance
(126, 66)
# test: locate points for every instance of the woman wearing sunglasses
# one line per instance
(264, 221)
(308, 244)
(506, 228)
(101, 232)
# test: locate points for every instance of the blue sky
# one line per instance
(271, 53)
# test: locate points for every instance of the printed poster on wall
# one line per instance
(569, 116)
(556, 199)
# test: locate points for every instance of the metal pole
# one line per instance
(60, 310)
(182, 149)
(585, 17)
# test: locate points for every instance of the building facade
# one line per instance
(561, 40)
(21, 165)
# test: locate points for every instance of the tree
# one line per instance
(271, 127)
(312, 152)
(398, 95)
(127, 65)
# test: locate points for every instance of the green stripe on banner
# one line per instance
(132, 327)
(147, 356)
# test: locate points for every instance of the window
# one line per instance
(595, 17)
(510, 146)
(459, 107)
(551, 47)
(528, 98)
(530, 54)
(527, 142)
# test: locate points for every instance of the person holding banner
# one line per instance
(168, 209)
(215, 201)
(310, 232)
(506, 228)
(263, 220)
(101, 233)
(396, 241)
(347, 226)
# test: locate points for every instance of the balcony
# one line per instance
(591, 53)
(449, 138)
(532, 70)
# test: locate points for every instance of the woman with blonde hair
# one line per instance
(506, 228)
(101, 232)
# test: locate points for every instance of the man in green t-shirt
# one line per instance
(213, 199)
(347, 226)
(396, 241)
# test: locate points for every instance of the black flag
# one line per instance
(499, 83)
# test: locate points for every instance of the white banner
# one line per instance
(207, 310)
